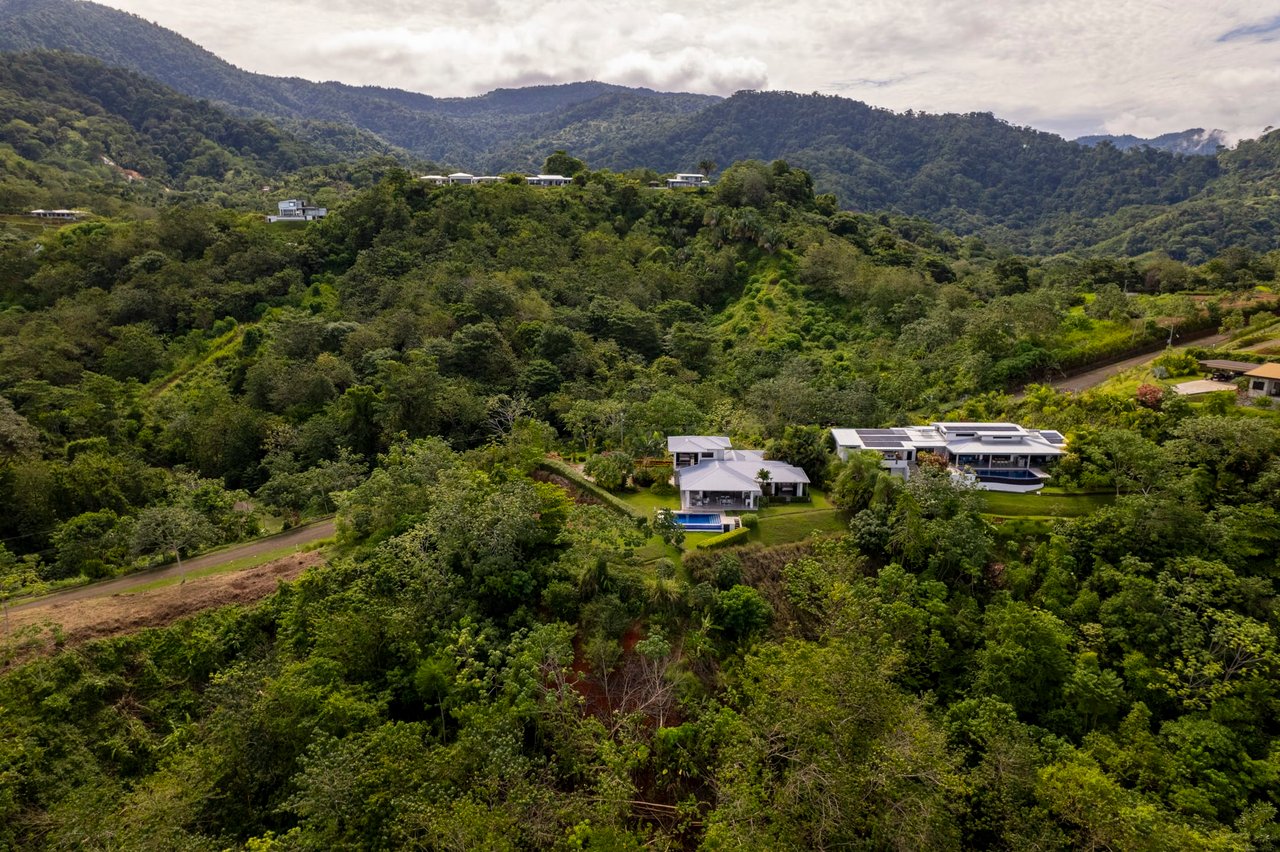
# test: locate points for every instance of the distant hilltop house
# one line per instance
(297, 210)
(548, 180)
(58, 215)
(710, 473)
(467, 179)
(994, 456)
(681, 181)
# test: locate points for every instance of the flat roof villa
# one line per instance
(995, 456)
(297, 210)
(710, 473)
(58, 215)
(466, 179)
(687, 180)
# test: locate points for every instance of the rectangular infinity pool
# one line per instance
(1013, 473)
(699, 521)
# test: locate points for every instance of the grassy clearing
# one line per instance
(797, 526)
(1044, 506)
(234, 565)
(648, 502)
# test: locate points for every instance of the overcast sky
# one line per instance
(1072, 66)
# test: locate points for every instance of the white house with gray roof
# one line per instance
(995, 456)
(710, 473)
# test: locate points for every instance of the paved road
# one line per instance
(292, 538)
(1084, 381)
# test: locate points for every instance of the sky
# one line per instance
(1069, 66)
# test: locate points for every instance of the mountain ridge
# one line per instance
(1026, 189)
(1195, 140)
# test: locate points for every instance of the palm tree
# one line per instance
(707, 167)
(763, 477)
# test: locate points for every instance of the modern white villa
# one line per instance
(297, 210)
(58, 215)
(548, 180)
(466, 179)
(994, 456)
(711, 474)
(681, 181)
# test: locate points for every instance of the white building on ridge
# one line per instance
(996, 456)
(297, 210)
(548, 180)
(710, 473)
(687, 180)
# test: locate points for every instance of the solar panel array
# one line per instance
(994, 427)
(1053, 437)
(882, 439)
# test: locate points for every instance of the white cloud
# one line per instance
(1073, 66)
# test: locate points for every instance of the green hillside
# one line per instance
(1028, 190)
(502, 654)
(77, 133)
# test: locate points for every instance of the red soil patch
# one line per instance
(36, 629)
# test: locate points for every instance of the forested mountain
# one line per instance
(449, 130)
(1197, 140)
(74, 131)
(501, 654)
(1030, 190)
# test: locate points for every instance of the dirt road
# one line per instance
(120, 585)
(1084, 381)
(46, 625)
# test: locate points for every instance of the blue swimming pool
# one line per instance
(700, 521)
(1014, 473)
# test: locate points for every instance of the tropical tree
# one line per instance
(171, 529)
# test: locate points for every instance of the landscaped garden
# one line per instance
(1048, 503)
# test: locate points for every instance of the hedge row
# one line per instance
(738, 536)
(579, 481)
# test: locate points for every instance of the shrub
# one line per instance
(724, 571)
(1150, 396)
(588, 487)
(610, 470)
(742, 611)
(1178, 363)
(738, 536)
(560, 597)
(750, 520)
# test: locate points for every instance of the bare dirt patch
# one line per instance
(40, 628)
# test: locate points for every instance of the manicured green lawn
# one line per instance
(785, 528)
(1045, 505)
(647, 502)
(781, 523)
